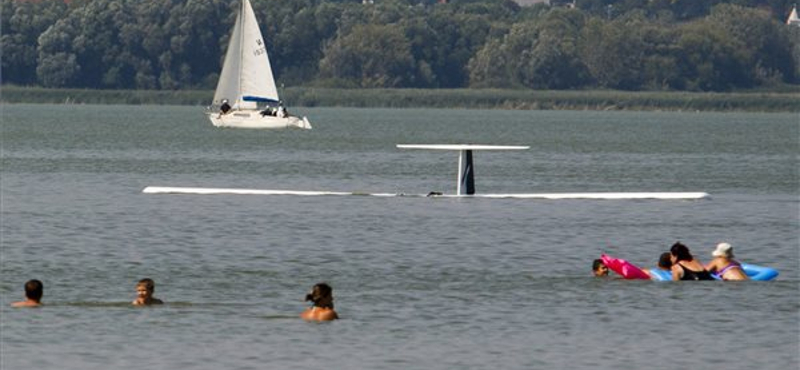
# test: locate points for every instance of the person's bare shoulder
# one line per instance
(319, 315)
(327, 315)
(25, 304)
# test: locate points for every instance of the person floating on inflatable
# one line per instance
(663, 270)
(723, 264)
(685, 266)
(599, 269)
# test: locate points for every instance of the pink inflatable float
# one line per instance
(626, 269)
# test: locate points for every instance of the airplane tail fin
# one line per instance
(466, 175)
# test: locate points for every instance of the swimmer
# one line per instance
(724, 265)
(33, 294)
(322, 310)
(144, 293)
(664, 265)
(684, 266)
(599, 269)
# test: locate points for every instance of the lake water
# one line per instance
(420, 283)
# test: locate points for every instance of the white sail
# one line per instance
(793, 18)
(246, 76)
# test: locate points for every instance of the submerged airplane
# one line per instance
(465, 183)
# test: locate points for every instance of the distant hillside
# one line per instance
(708, 45)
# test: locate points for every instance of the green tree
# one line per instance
(553, 61)
(710, 59)
(491, 66)
(58, 70)
(614, 51)
(193, 52)
(621, 44)
(764, 46)
(660, 70)
(55, 48)
(453, 36)
(294, 32)
(539, 54)
(22, 24)
(369, 56)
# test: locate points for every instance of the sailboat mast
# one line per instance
(241, 18)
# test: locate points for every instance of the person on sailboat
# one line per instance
(282, 113)
(270, 111)
(224, 108)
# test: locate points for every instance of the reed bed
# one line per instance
(756, 101)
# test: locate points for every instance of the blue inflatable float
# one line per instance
(660, 275)
(754, 272)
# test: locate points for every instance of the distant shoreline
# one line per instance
(756, 101)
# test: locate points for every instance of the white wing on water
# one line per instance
(246, 76)
(469, 192)
(546, 196)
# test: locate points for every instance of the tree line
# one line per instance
(692, 45)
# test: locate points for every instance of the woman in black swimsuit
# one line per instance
(685, 267)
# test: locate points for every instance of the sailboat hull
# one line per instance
(253, 119)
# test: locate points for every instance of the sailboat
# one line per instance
(793, 19)
(246, 95)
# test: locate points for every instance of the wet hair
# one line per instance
(681, 252)
(596, 264)
(321, 295)
(148, 283)
(34, 289)
(664, 260)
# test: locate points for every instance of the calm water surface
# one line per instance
(419, 283)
